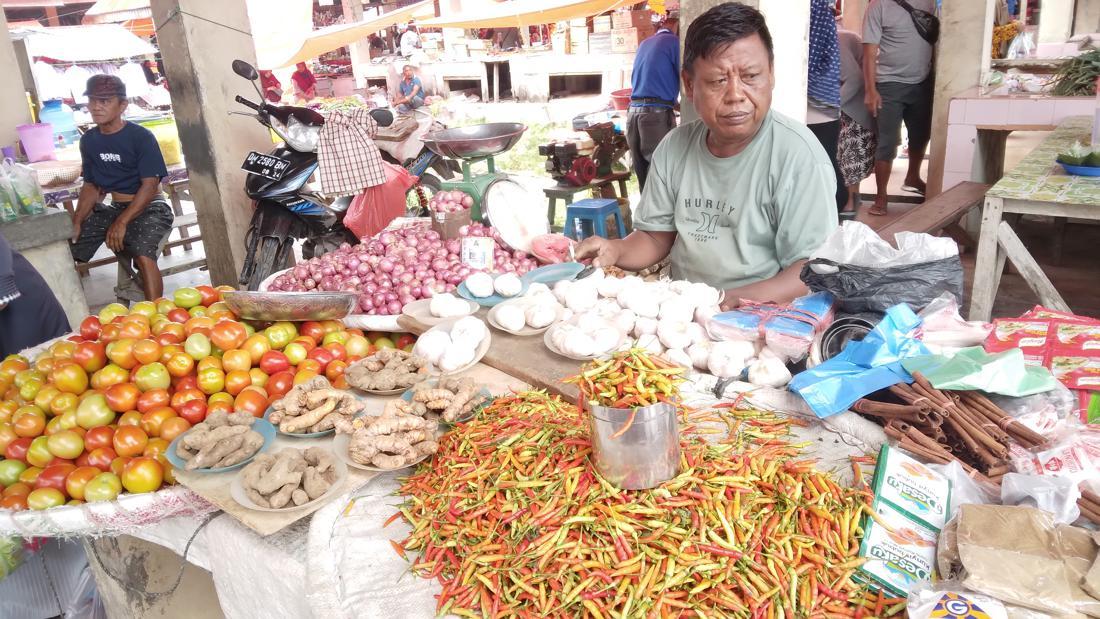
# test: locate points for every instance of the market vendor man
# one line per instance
(122, 159)
(739, 198)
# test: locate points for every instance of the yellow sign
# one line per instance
(657, 6)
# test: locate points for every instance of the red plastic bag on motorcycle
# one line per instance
(373, 209)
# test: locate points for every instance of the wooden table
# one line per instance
(1037, 186)
(566, 193)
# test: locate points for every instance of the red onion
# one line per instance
(397, 269)
(310, 283)
(385, 265)
(363, 268)
(387, 237)
(379, 299)
(369, 287)
(394, 307)
(301, 272)
(405, 277)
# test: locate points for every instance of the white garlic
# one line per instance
(508, 285)
(455, 357)
(480, 285)
(699, 354)
(679, 357)
(581, 298)
(609, 287)
(605, 339)
(678, 309)
(673, 334)
(579, 344)
(561, 289)
(645, 326)
(697, 333)
(469, 332)
(447, 305)
(624, 321)
(432, 345)
(511, 317)
(540, 315)
(651, 344)
(769, 371)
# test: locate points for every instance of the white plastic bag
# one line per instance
(856, 244)
(944, 331)
(964, 489)
(1057, 495)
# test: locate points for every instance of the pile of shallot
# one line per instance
(397, 267)
(450, 202)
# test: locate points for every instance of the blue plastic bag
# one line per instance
(862, 367)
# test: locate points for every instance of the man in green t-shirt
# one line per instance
(739, 198)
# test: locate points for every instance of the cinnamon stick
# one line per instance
(1089, 511)
(1017, 430)
(997, 471)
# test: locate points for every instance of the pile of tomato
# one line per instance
(92, 416)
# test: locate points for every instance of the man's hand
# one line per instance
(873, 101)
(116, 234)
(604, 252)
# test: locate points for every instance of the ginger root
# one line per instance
(385, 370)
(313, 406)
(452, 398)
(393, 440)
(221, 440)
(290, 478)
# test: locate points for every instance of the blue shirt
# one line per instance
(119, 161)
(656, 72)
(407, 87)
(823, 85)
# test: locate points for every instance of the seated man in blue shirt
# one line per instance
(123, 159)
(655, 83)
(412, 91)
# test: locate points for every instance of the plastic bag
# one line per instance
(9, 207)
(965, 490)
(951, 599)
(1022, 46)
(944, 331)
(25, 188)
(375, 207)
(1057, 495)
(1045, 412)
(866, 273)
(788, 331)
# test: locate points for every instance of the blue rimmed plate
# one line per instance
(1080, 170)
(263, 426)
(464, 292)
(553, 273)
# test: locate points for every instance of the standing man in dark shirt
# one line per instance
(123, 159)
(655, 83)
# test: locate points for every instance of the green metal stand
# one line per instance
(475, 185)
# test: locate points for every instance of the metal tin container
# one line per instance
(645, 455)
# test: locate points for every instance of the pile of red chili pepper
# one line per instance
(629, 379)
(513, 520)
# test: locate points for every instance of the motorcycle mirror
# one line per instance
(245, 70)
(382, 116)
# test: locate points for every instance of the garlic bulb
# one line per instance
(480, 285)
(566, 314)
(511, 317)
(590, 322)
(468, 332)
(561, 289)
(581, 298)
(540, 315)
(558, 335)
(455, 357)
(645, 305)
(679, 357)
(645, 326)
(609, 287)
(700, 354)
(651, 344)
(703, 314)
(596, 276)
(703, 295)
(535, 289)
(508, 285)
(728, 359)
(673, 334)
(447, 305)
(578, 344)
(624, 321)
(679, 286)
(432, 345)
(697, 333)
(769, 371)
(605, 339)
(678, 309)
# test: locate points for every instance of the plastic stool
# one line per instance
(593, 214)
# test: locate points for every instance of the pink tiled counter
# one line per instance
(970, 114)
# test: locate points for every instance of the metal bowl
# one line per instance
(293, 306)
(475, 141)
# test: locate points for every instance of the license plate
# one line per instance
(266, 166)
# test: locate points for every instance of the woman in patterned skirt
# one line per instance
(856, 150)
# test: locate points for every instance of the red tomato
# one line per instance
(63, 403)
(129, 441)
(179, 315)
(30, 475)
(209, 295)
(256, 345)
(198, 324)
(335, 370)
(184, 395)
(273, 362)
(135, 329)
(118, 464)
(154, 398)
(155, 448)
(98, 437)
(212, 380)
(236, 381)
(236, 359)
(78, 479)
(252, 401)
(321, 355)
(109, 375)
(29, 421)
(153, 421)
(129, 418)
(122, 397)
(54, 476)
(339, 353)
(307, 342)
(7, 435)
(193, 411)
(91, 356)
(17, 489)
(403, 340)
(15, 502)
(90, 328)
(191, 381)
(70, 378)
(121, 352)
(228, 334)
(219, 406)
(180, 365)
(312, 329)
(173, 427)
(17, 449)
(101, 458)
(147, 351)
(142, 475)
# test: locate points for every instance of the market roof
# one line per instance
(83, 43)
(112, 11)
(524, 13)
(327, 39)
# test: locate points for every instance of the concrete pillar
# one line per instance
(1087, 17)
(963, 61)
(790, 28)
(44, 241)
(199, 40)
(1056, 21)
(360, 50)
(13, 101)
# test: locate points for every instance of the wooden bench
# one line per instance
(940, 213)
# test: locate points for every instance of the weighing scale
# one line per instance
(473, 145)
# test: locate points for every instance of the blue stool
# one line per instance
(593, 214)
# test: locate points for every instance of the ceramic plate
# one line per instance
(553, 273)
(478, 354)
(340, 445)
(236, 490)
(496, 299)
(420, 312)
(526, 330)
(546, 339)
(1081, 170)
(262, 426)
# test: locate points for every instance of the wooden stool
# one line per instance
(593, 212)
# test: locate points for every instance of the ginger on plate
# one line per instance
(290, 478)
(391, 441)
(313, 406)
(221, 440)
(386, 370)
(452, 398)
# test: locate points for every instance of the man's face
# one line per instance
(732, 90)
(105, 110)
(407, 72)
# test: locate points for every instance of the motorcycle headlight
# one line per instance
(302, 137)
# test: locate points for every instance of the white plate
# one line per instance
(340, 445)
(236, 490)
(445, 326)
(526, 330)
(420, 311)
(546, 339)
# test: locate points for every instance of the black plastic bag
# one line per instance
(867, 289)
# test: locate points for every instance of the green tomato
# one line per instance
(103, 487)
(187, 297)
(9, 471)
(295, 353)
(93, 412)
(38, 454)
(198, 346)
(152, 376)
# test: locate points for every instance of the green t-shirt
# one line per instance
(744, 218)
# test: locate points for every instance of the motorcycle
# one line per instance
(412, 154)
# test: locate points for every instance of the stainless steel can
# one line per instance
(643, 456)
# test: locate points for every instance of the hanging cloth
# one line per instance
(349, 159)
